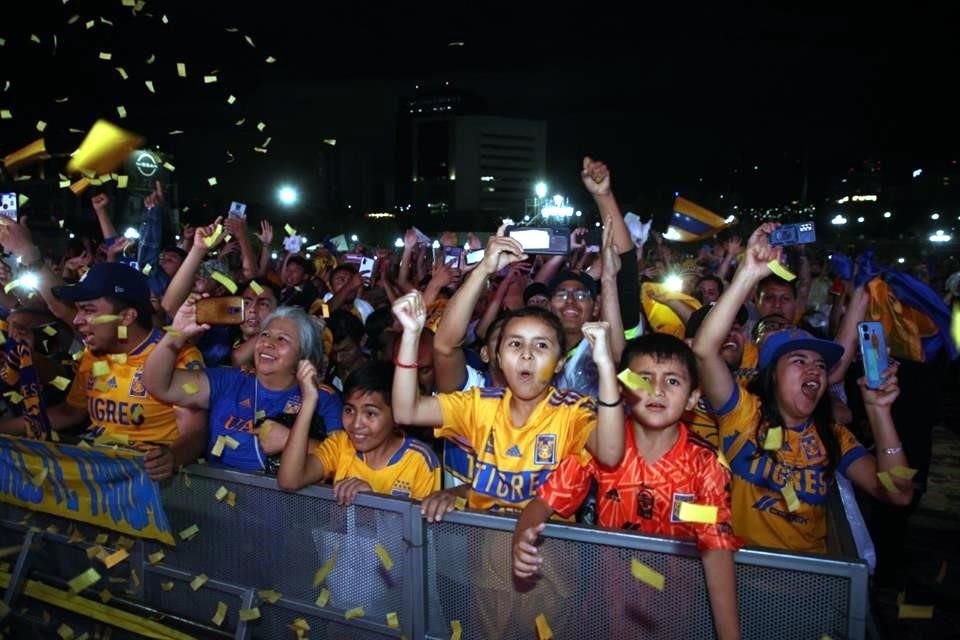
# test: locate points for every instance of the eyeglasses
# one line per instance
(562, 295)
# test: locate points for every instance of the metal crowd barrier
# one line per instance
(456, 570)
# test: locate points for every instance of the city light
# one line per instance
(436, 244)
(578, 213)
(486, 178)
(860, 219)
(917, 173)
(934, 216)
(131, 234)
(901, 260)
(559, 209)
(287, 195)
(398, 243)
(273, 256)
(887, 214)
(354, 238)
(730, 219)
(540, 189)
(837, 219)
(29, 281)
(843, 200)
(869, 198)
(940, 236)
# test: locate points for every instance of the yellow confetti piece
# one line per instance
(645, 574)
(350, 614)
(169, 167)
(102, 538)
(325, 310)
(384, 556)
(321, 574)
(41, 125)
(788, 493)
(217, 449)
(249, 41)
(116, 558)
(93, 552)
(904, 473)
(147, 268)
(220, 614)
(543, 628)
(270, 60)
(50, 331)
(269, 595)
(392, 620)
(774, 439)
(13, 397)
(300, 624)
(164, 19)
(231, 499)
(189, 532)
(64, 184)
(887, 482)
(460, 504)
(40, 477)
(914, 612)
(155, 557)
(151, 59)
(6, 114)
(134, 580)
(167, 586)
(209, 79)
(199, 581)
(105, 596)
(53, 529)
(100, 368)
(122, 72)
(190, 387)
(260, 415)
(181, 70)
(781, 271)
(105, 55)
(84, 580)
(703, 513)
(225, 280)
(150, 87)
(211, 239)
(65, 632)
(119, 358)
(257, 289)
(240, 122)
(172, 331)
(212, 182)
(231, 99)
(101, 386)
(634, 381)
(122, 183)
(456, 630)
(323, 598)
(121, 111)
(106, 318)
(261, 126)
(290, 230)
(221, 493)
(60, 383)
(35, 38)
(246, 615)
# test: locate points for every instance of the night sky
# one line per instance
(666, 97)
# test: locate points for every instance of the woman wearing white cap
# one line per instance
(782, 443)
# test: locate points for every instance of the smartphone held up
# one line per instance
(222, 310)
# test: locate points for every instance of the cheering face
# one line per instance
(709, 291)
(732, 349)
(529, 356)
(367, 419)
(293, 275)
(777, 299)
(256, 307)
(670, 395)
(572, 304)
(278, 347)
(99, 337)
(801, 380)
(170, 261)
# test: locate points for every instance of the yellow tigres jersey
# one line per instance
(412, 472)
(122, 406)
(511, 462)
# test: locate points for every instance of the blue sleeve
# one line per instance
(731, 402)
(330, 408)
(850, 457)
(221, 378)
(151, 236)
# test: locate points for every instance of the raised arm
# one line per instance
(406, 261)
(266, 238)
(297, 467)
(166, 383)
(101, 207)
(847, 335)
(237, 227)
(409, 407)
(596, 179)
(16, 238)
(716, 380)
(606, 442)
(182, 283)
(610, 295)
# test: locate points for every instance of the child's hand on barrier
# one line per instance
(526, 555)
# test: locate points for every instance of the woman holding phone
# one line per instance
(250, 412)
(778, 434)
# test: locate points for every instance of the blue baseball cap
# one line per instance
(113, 279)
(784, 341)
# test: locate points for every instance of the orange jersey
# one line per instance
(645, 497)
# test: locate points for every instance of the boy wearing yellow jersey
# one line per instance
(113, 320)
(370, 454)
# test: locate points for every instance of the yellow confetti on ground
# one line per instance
(793, 503)
(350, 614)
(199, 581)
(781, 271)
(190, 387)
(321, 574)
(703, 513)
(246, 615)
(65, 632)
(84, 580)
(904, 473)
(645, 574)
(189, 532)
(543, 628)
(774, 439)
(269, 595)
(324, 597)
(887, 482)
(221, 493)
(914, 612)
(225, 280)
(116, 558)
(105, 595)
(384, 556)
(456, 630)
(220, 614)
(634, 381)
(167, 586)
(155, 557)
(392, 620)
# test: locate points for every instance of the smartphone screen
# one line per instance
(873, 351)
(8, 205)
(366, 267)
(222, 310)
(531, 239)
(451, 256)
(238, 210)
(474, 256)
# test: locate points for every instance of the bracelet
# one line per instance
(609, 404)
(892, 451)
(415, 365)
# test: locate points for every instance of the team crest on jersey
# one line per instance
(811, 447)
(293, 405)
(546, 449)
(137, 390)
(678, 499)
(245, 403)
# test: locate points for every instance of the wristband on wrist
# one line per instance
(609, 404)
(397, 363)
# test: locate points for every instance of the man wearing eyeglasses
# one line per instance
(573, 298)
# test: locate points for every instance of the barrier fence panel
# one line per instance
(256, 537)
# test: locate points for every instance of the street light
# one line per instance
(398, 243)
(354, 238)
(131, 234)
(887, 214)
(541, 190)
(940, 236)
(838, 219)
(288, 195)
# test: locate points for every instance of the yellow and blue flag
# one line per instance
(690, 222)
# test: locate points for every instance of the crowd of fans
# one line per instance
(577, 386)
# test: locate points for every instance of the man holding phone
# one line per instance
(345, 283)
